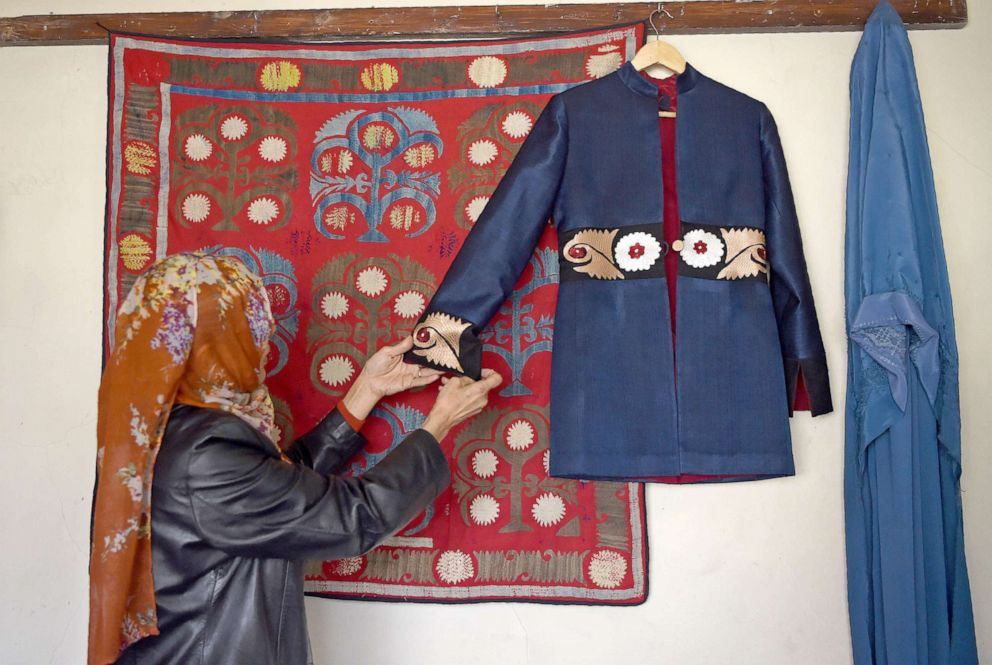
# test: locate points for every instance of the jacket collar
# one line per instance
(633, 80)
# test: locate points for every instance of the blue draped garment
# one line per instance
(908, 586)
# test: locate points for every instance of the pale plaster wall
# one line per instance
(740, 574)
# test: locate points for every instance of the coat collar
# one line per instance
(633, 80)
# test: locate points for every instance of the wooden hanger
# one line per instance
(659, 52)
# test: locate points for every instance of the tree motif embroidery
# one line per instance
(500, 463)
(360, 303)
(279, 277)
(488, 142)
(372, 165)
(232, 166)
(525, 334)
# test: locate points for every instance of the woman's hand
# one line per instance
(460, 398)
(384, 374)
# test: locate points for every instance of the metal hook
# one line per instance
(659, 11)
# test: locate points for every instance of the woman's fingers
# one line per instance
(399, 348)
(490, 379)
(420, 381)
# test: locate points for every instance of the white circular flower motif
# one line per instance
(607, 569)
(334, 305)
(272, 149)
(454, 566)
(484, 509)
(520, 435)
(336, 370)
(484, 463)
(198, 147)
(234, 128)
(548, 509)
(371, 281)
(349, 566)
(601, 64)
(196, 208)
(482, 152)
(546, 461)
(263, 210)
(487, 71)
(637, 251)
(701, 249)
(409, 304)
(517, 124)
(475, 207)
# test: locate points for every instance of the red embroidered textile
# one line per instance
(347, 177)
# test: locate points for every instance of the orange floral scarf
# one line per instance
(194, 330)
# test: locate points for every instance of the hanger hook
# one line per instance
(659, 11)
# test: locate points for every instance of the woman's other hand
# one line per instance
(384, 374)
(460, 398)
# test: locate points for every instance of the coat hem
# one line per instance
(706, 467)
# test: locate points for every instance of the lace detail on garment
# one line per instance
(891, 329)
(872, 380)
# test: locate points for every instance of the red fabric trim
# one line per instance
(670, 214)
(672, 229)
(352, 421)
(800, 401)
(689, 478)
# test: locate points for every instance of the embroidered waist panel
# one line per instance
(636, 252)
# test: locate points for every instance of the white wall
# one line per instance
(740, 574)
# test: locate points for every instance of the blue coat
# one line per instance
(621, 406)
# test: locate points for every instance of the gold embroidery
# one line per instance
(436, 338)
(746, 255)
(592, 252)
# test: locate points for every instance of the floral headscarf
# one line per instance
(194, 330)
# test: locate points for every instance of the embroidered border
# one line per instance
(629, 252)
(722, 252)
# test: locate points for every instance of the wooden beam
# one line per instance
(710, 16)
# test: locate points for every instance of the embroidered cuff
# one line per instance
(448, 343)
(814, 373)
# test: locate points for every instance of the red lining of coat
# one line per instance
(672, 229)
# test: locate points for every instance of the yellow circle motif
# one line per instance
(378, 137)
(140, 158)
(280, 76)
(135, 251)
(419, 155)
(379, 76)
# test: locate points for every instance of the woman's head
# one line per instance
(210, 314)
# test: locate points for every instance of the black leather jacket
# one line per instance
(232, 525)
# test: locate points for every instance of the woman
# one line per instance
(228, 517)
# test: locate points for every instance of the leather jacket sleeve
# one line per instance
(328, 446)
(248, 502)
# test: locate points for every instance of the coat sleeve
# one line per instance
(799, 332)
(328, 446)
(495, 251)
(249, 503)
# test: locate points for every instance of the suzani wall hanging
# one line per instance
(347, 176)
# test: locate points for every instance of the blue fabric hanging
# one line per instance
(908, 586)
